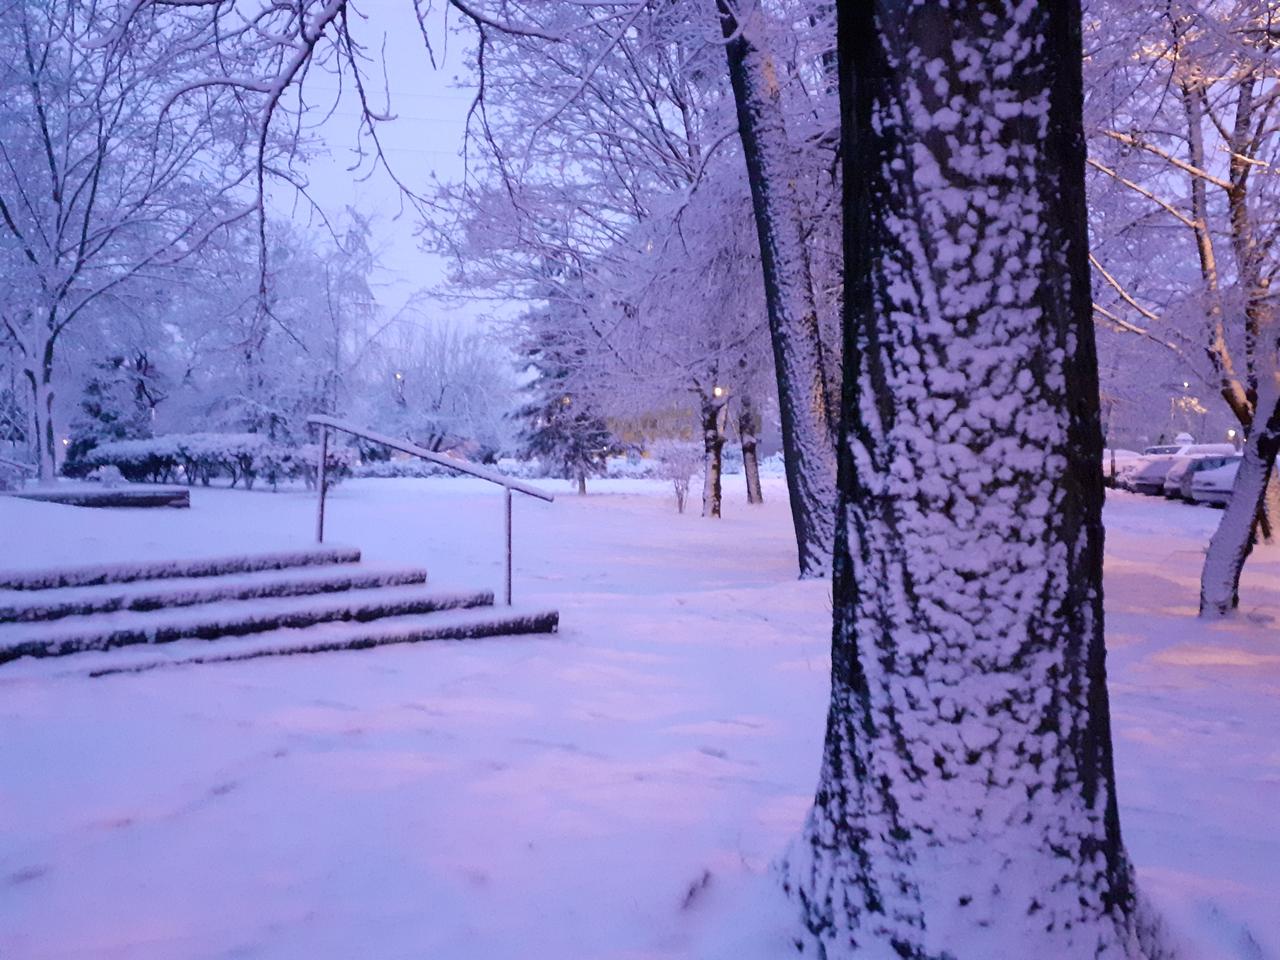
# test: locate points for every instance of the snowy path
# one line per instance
(561, 797)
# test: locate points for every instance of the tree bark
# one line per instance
(713, 454)
(748, 436)
(1233, 540)
(966, 806)
(39, 375)
(806, 407)
(1271, 505)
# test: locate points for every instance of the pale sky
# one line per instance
(425, 138)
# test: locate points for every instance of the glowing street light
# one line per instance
(717, 391)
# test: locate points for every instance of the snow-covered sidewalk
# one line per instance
(616, 791)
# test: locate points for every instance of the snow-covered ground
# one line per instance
(616, 791)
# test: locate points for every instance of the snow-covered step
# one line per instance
(51, 604)
(218, 620)
(135, 495)
(169, 569)
(320, 638)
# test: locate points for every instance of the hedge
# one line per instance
(201, 458)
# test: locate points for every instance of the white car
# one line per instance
(1177, 482)
(1214, 486)
(1156, 463)
(1117, 463)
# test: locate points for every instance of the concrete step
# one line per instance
(319, 638)
(230, 618)
(27, 606)
(171, 569)
(96, 495)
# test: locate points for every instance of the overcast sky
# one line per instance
(425, 138)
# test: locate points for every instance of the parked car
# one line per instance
(1150, 476)
(1173, 476)
(1121, 461)
(1124, 477)
(1178, 481)
(1214, 486)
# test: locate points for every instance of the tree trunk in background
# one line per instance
(713, 450)
(749, 437)
(807, 411)
(967, 806)
(1232, 541)
(582, 484)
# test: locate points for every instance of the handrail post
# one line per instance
(321, 481)
(507, 490)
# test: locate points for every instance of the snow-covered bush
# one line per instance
(677, 461)
(530, 469)
(153, 460)
(11, 475)
(242, 458)
(339, 463)
(108, 476)
(633, 467)
(731, 460)
(413, 467)
(773, 466)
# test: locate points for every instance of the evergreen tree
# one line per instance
(13, 418)
(116, 404)
(560, 431)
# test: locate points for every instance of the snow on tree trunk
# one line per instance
(807, 411)
(748, 436)
(1232, 541)
(40, 378)
(1271, 505)
(713, 450)
(967, 804)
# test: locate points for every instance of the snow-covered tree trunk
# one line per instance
(710, 412)
(748, 436)
(807, 410)
(1232, 541)
(1271, 504)
(39, 373)
(967, 804)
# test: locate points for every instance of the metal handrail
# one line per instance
(326, 423)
